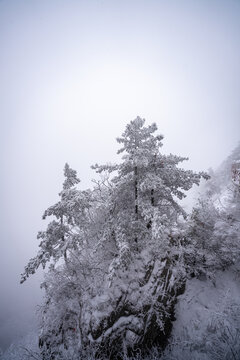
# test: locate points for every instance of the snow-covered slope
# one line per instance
(207, 322)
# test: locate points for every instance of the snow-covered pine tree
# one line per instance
(122, 246)
(75, 272)
(65, 231)
(146, 273)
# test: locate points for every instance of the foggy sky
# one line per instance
(72, 75)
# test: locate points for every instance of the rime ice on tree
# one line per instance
(121, 246)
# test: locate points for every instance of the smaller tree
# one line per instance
(65, 232)
(213, 229)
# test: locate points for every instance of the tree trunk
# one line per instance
(136, 191)
(152, 197)
(136, 195)
(63, 240)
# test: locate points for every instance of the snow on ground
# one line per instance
(207, 322)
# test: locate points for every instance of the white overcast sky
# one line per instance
(74, 73)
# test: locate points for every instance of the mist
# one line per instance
(73, 74)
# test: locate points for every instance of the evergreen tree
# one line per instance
(66, 230)
(146, 188)
(122, 244)
(144, 217)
